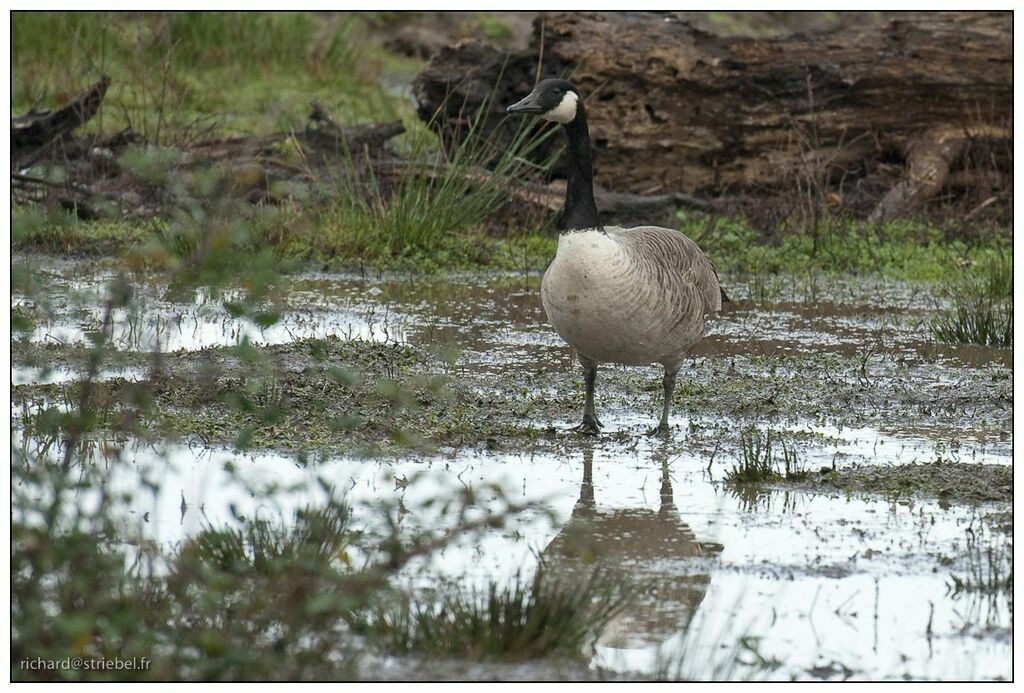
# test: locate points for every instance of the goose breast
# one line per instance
(632, 296)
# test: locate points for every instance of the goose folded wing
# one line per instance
(675, 261)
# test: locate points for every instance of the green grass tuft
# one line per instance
(525, 619)
(759, 462)
(989, 568)
(975, 320)
(261, 547)
(982, 310)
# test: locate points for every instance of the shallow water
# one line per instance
(831, 586)
(820, 579)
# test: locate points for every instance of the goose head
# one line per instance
(553, 99)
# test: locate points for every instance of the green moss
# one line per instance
(493, 28)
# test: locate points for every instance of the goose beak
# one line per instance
(527, 105)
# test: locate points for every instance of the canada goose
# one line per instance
(632, 296)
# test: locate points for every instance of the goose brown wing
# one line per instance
(674, 262)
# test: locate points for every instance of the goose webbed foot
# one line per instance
(590, 426)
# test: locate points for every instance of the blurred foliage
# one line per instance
(256, 598)
(183, 77)
(259, 600)
(180, 75)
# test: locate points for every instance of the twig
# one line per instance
(970, 215)
(540, 55)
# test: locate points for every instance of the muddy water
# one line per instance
(828, 586)
(493, 317)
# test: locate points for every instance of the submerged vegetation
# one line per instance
(982, 583)
(764, 459)
(989, 564)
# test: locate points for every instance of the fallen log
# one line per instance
(322, 140)
(929, 160)
(672, 108)
(32, 133)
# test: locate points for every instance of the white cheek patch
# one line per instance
(565, 111)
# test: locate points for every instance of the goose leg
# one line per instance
(669, 385)
(590, 424)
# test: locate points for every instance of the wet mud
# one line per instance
(952, 482)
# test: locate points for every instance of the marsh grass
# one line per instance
(762, 460)
(903, 249)
(975, 320)
(182, 77)
(526, 618)
(982, 305)
(437, 206)
(988, 565)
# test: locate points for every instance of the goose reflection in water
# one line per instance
(651, 549)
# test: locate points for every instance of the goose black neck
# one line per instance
(580, 210)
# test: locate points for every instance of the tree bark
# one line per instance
(673, 109)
